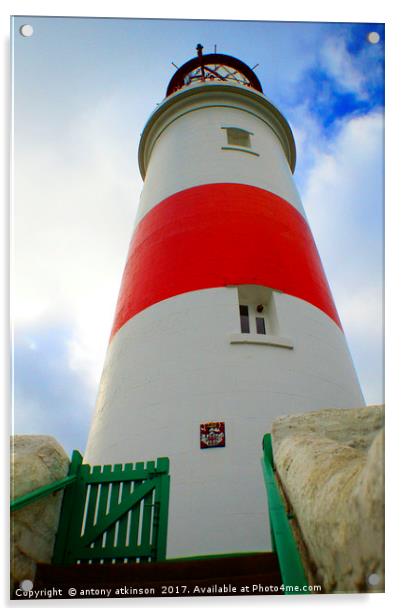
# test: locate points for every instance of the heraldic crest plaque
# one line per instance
(212, 434)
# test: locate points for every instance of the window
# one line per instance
(258, 318)
(239, 137)
(238, 140)
(260, 325)
(244, 318)
(246, 321)
(256, 309)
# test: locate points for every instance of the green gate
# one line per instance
(114, 514)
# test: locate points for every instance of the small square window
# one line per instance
(238, 137)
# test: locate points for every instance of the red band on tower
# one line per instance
(216, 235)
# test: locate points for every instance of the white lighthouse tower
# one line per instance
(225, 319)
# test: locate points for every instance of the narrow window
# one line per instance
(244, 317)
(260, 325)
(238, 137)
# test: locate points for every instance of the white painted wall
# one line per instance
(173, 367)
(188, 151)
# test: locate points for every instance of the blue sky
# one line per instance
(83, 89)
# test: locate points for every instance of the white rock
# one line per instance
(330, 463)
(35, 462)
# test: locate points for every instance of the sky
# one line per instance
(82, 92)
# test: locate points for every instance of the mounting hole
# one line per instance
(26, 30)
(373, 579)
(373, 37)
(26, 585)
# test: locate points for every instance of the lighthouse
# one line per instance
(225, 319)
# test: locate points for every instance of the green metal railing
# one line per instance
(50, 488)
(283, 541)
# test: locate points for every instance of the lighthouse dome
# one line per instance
(213, 67)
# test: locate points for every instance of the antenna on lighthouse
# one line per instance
(199, 48)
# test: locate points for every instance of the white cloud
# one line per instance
(73, 217)
(341, 66)
(343, 199)
(344, 188)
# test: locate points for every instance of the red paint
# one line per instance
(216, 235)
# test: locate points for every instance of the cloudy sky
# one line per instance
(83, 89)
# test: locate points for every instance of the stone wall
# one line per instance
(331, 466)
(35, 462)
